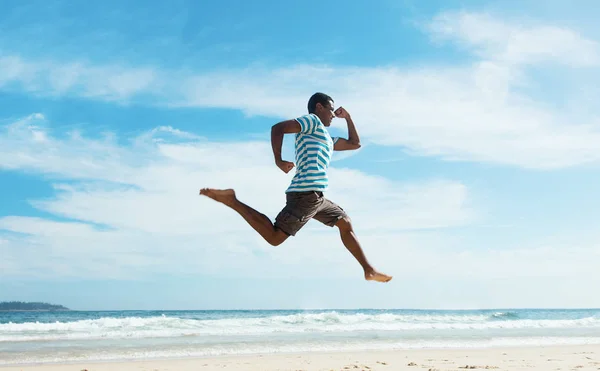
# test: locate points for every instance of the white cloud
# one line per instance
(56, 78)
(135, 209)
(153, 222)
(516, 42)
(492, 109)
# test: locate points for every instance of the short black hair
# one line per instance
(318, 98)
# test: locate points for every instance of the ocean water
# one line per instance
(75, 336)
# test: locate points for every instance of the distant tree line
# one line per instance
(19, 305)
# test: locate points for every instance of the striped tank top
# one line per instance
(314, 147)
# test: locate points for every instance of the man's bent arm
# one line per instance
(353, 137)
(277, 132)
(353, 141)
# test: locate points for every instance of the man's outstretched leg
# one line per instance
(260, 222)
(351, 242)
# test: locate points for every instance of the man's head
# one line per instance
(322, 105)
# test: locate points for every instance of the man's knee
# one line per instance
(278, 237)
(344, 223)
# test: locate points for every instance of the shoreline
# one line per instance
(542, 357)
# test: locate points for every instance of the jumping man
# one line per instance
(305, 199)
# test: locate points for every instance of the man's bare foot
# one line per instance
(224, 196)
(376, 276)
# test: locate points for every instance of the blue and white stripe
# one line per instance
(314, 147)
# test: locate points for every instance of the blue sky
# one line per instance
(475, 186)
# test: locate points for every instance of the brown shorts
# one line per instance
(303, 206)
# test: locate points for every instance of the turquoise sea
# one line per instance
(73, 336)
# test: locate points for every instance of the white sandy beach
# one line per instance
(572, 357)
